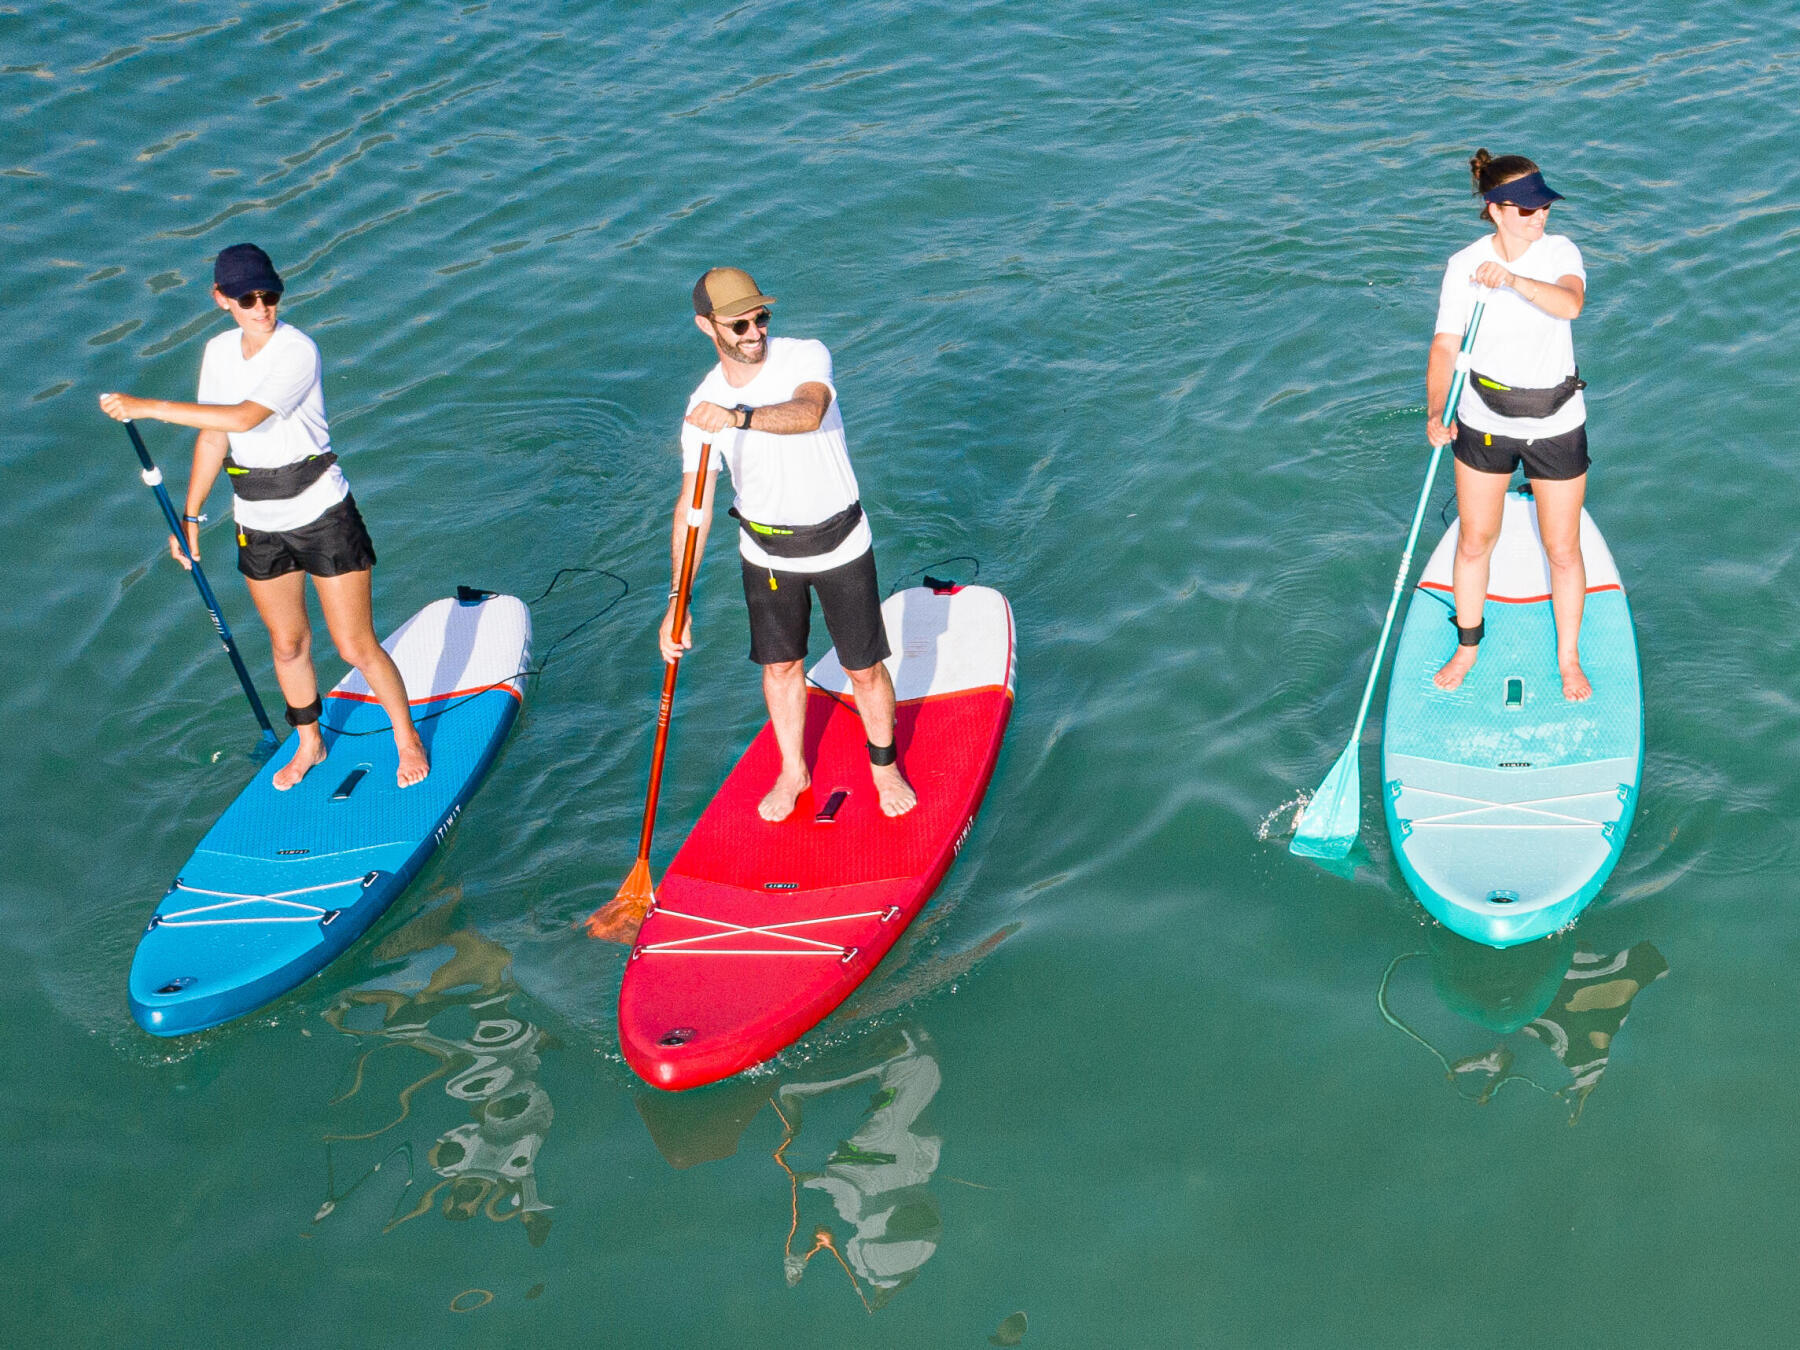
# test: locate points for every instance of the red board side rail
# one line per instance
(760, 930)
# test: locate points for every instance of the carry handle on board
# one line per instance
(619, 919)
(153, 479)
(1332, 819)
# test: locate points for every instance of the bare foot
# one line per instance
(311, 751)
(414, 766)
(779, 804)
(897, 796)
(1575, 681)
(1451, 676)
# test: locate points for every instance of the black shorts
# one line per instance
(1546, 459)
(336, 543)
(780, 615)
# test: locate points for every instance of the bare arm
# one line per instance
(200, 416)
(1561, 299)
(805, 411)
(1439, 367)
(671, 649)
(210, 449)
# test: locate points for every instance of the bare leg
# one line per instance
(875, 703)
(1559, 523)
(1480, 506)
(348, 614)
(281, 601)
(784, 690)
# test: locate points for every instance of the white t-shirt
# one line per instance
(782, 480)
(1519, 344)
(285, 378)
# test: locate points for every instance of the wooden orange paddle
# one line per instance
(619, 919)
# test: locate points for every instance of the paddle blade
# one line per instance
(619, 919)
(1329, 825)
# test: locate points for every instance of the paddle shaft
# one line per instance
(684, 590)
(1457, 381)
(153, 479)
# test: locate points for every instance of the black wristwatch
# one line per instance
(745, 409)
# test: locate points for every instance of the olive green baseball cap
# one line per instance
(724, 292)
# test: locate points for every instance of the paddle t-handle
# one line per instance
(619, 918)
(153, 479)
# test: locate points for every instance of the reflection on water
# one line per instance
(856, 1152)
(450, 1002)
(877, 1177)
(1555, 1005)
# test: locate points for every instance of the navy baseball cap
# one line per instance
(243, 268)
(1531, 192)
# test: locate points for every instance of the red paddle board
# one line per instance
(759, 930)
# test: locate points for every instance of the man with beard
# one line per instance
(770, 410)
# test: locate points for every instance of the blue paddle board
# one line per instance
(285, 881)
(1507, 804)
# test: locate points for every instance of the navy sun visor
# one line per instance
(1531, 192)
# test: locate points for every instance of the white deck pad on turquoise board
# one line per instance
(1507, 804)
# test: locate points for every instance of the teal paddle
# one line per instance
(1333, 818)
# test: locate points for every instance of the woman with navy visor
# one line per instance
(261, 418)
(1522, 403)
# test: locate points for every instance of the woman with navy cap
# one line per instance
(261, 418)
(1522, 403)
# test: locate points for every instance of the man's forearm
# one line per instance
(788, 419)
(679, 547)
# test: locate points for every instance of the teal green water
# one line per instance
(1129, 302)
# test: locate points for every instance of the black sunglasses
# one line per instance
(251, 299)
(1529, 210)
(742, 326)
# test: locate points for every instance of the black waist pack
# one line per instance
(802, 541)
(277, 485)
(1510, 402)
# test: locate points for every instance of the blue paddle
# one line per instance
(1333, 818)
(153, 479)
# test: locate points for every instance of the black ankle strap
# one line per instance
(302, 717)
(882, 755)
(1469, 637)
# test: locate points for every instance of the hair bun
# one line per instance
(1478, 163)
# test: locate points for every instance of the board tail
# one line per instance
(619, 919)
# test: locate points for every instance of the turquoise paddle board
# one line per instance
(1507, 804)
(285, 881)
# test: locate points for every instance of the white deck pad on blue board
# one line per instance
(1508, 805)
(285, 881)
